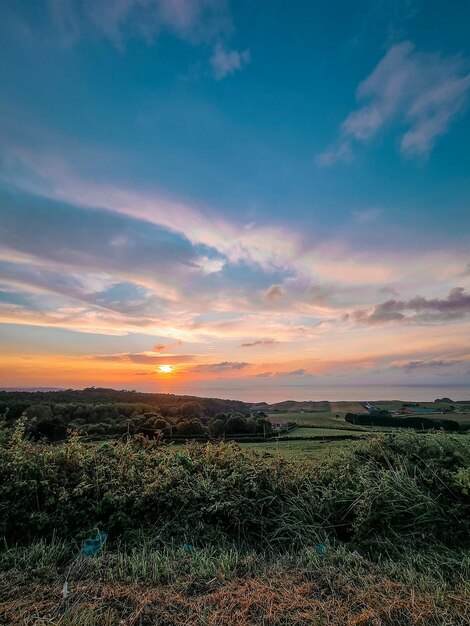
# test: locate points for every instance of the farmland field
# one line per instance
(334, 418)
(314, 419)
(300, 451)
(324, 432)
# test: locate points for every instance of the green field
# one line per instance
(300, 451)
(324, 432)
(314, 419)
(335, 417)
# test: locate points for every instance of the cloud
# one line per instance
(412, 366)
(225, 62)
(210, 265)
(366, 216)
(391, 291)
(341, 152)
(265, 245)
(261, 342)
(274, 293)
(121, 20)
(420, 91)
(160, 347)
(319, 294)
(420, 310)
(224, 366)
(297, 372)
(142, 358)
(292, 373)
(194, 21)
(92, 240)
(55, 172)
(132, 260)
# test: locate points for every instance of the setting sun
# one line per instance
(165, 369)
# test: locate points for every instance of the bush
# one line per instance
(414, 486)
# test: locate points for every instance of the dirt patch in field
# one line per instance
(286, 600)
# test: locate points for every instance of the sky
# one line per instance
(210, 195)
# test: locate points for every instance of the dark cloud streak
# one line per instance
(419, 309)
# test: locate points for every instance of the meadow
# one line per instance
(358, 531)
(301, 451)
(321, 419)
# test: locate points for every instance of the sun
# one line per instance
(165, 369)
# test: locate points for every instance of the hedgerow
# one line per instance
(410, 486)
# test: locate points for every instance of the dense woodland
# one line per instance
(100, 413)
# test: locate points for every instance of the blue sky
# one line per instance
(202, 175)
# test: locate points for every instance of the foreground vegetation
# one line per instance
(217, 534)
(146, 583)
(416, 485)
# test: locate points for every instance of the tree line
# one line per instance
(384, 418)
(54, 421)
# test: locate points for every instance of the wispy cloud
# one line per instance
(224, 366)
(341, 151)
(261, 342)
(420, 91)
(266, 245)
(225, 62)
(300, 372)
(120, 20)
(274, 293)
(366, 216)
(142, 358)
(412, 366)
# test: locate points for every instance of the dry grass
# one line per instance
(282, 600)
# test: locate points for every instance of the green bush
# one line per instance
(414, 486)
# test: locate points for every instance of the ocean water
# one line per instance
(408, 393)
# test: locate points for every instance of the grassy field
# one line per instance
(314, 419)
(300, 451)
(324, 432)
(334, 418)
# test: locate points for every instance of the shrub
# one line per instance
(414, 486)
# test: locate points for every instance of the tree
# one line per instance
(251, 425)
(190, 427)
(52, 428)
(264, 426)
(235, 424)
(191, 410)
(217, 427)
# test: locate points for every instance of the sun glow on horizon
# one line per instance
(165, 369)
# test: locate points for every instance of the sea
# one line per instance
(407, 393)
